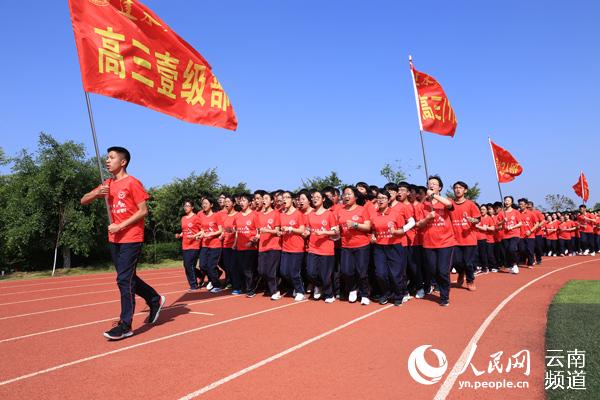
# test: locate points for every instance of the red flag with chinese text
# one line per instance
(435, 112)
(581, 188)
(127, 52)
(507, 167)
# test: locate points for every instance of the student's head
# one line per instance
(530, 205)
(257, 200)
(483, 209)
(434, 182)
(244, 200)
(319, 199)
(208, 204)
(288, 198)
(221, 200)
(508, 201)
(421, 193)
(304, 199)
(522, 204)
(351, 195)
(404, 190)
(188, 206)
(363, 188)
(392, 188)
(228, 203)
(117, 158)
(582, 208)
(383, 199)
(267, 200)
(332, 193)
(373, 192)
(460, 189)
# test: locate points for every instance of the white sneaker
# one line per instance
(406, 298)
(317, 293)
(352, 296)
(593, 254)
(420, 294)
(209, 286)
(566, 252)
(514, 269)
(276, 296)
(299, 297)
(330, 300)
(365, 301)
(549, 254)
(453, 270)
(586, 252)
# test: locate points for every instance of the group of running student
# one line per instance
(389, 244)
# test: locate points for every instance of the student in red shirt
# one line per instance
(552, 235)
(292, 245)
(499, 251)
(586, 223)
(539, 240)
(322, 227)
(212, 228)
(355, 225)
(190, 226)
(269, 245)
(417, 266)
(333, 194)
(511, 225)
(414, 274)
(490, 225)
(564, 236)
(464, 215)
(127, 202)
(530, 224)
(228, 254)
(246, 229)
(481, 231)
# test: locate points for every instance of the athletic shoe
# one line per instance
(514, 269)
(444, 303)
(209, 286)
(494, 269)
(352, 296)
(228, 286)
(397, 302)
(299, 297)
(276, 296)
(420, 294)
(120, 331)
(406, 298)
(236, 292)
(471, 286)
(365, 301)
(566, 252)
(250, 294)
(549, 254)
(586, 252)
(309, 288)
(461, 279)
(317, 293)
(155, 310)
(383, 300)
(215, 290)
(453, 270)
(593, 254)
(330, 300)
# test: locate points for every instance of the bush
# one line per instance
(154, 253)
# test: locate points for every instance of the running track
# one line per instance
(222, 346)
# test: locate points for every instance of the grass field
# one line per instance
(574, 323)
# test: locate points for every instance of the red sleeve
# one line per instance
(332, 220)
(366, 214)
(138, 193)
(475, 210)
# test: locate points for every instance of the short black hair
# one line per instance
(522, 199)
(437, 178)
(462, 184)
(391, 186)
(122, 151)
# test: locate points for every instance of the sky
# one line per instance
(325, 86)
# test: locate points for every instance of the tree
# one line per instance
(559, 202)
(472, 194)
(596, 207)
(320, 182)
(3, 159)
(393, 174)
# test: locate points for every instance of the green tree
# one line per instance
(596, 207)
(559, 202)
(472, 194)
(318, 182)
(3, 159)
(393, 173)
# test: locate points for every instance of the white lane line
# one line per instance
(448, 383)
(177, 282)
(114, 318)
(201, 313)
(160, 339)
(112, 282)
(277, 356)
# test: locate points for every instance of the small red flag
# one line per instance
(507, 167)
(127, 52)
(435, 112)
(581, 187)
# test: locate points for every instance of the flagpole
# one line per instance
(412, 74)
(93, 126)
(497, 177)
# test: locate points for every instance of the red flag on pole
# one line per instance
(127, 52)
(435, 112)
(581, 187)
(507, 167)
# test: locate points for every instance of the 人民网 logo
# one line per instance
(420, 370)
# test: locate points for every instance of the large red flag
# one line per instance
(435, 112)
(581, 187)
(507, 167)
(127, 52)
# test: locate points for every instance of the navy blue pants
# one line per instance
(268, 263)
(320, 272)
(511, 249)
(417, 272)
(354, 265)
(463, 261)
(190, 259)
(290, 267)
(125, 257)
(586, 241)
(500, 255)
(228, 256)
(390, 270)
(527, 249)
(597, 237)
(539, 248)
(552, 246)
(440, 263)
(481, 253)
(209, 259)
(245, 268)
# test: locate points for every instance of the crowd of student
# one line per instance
(386, 244)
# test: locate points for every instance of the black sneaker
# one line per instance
(120, 331)
(250, 294)
(155, 310)
(444, 303)
(398, 302)
(383, 300)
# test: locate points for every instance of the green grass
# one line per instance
(92, 269)
(574, 323)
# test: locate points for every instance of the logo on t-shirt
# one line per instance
(292, 222)
(324, 222)
(190, 224)
(248, 223)
(270, 221)
(355, 218)
(121, 195)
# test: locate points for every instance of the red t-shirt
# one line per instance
(211, 224)
(123, 197)
(321, 244)
(292, 242)
(511, 218)
(415, 235)
(245, 226)
(438, 232)
(482, 235)
(382, 223)
(353, 238)
(584, 225)
(562, 230)
(190, 226)
(597, 225)
(529, 219)
(228, 237)
(575, 232)
(269, 241)
(552, 230)
(498, 233)
(540, 218)
(489, 221)
(464, 232)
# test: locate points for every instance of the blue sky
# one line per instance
(320, 86)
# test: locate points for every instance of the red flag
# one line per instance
(581, 188)
(506, 165)
(127, 52)
(435, 112)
